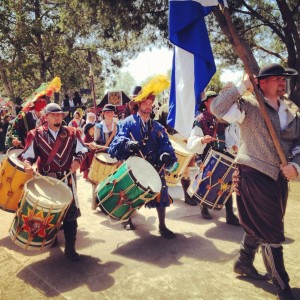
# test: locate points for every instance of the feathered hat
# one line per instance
(46, 89)
(151, 89)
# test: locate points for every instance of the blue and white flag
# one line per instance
(193, 61)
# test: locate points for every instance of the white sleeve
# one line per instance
(29, 153)
(232, 137)
(80, 147)
(234, 115)
(194, 141)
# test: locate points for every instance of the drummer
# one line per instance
(141, 136)
(104, 132)
(208, 133)
(58, 152)
(107, 128)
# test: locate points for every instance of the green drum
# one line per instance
(41, 211)
(130, 187)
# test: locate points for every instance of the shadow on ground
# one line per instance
(163, 253)
(87, 271)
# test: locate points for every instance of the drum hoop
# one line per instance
(18, 167)
(135, 180)
(105, 163)
(31, 196)
(211, 153)
(152, 167)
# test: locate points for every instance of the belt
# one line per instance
(57, 174)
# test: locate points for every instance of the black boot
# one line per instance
(163, 230)
(231, 219)
(128, 225)
(185, 182)
(273, 259)
(244, 264)
(70, 231)
(204, 212)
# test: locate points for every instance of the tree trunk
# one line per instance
(5, 81)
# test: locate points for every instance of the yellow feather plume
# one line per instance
(155, 86)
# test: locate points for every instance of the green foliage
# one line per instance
(41, 39)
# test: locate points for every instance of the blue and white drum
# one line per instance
(212, 185)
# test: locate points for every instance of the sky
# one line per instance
(148, 63)
(159, 61)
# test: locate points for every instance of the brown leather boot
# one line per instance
(244, 264)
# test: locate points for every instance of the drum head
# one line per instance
(145, 173)
(56, 194)
(13, 157)
(104, 157)
(180, 147)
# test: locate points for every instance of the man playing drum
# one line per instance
(208, 133)
(58, 151)
(139, 135)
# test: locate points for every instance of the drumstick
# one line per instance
(38, 174)
(139, 150)
(43, 177)
(216, 139)
(64, 178)
(97, 146)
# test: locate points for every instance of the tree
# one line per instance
(124, 82)
(268, 29)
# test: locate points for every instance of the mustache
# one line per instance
(57, 124)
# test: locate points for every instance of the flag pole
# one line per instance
(243, 56)
(91, 75)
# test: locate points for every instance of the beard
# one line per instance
(57, 125)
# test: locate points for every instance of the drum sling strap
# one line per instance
(54, 150)
(112, 135)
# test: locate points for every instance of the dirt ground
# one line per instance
(119, 264)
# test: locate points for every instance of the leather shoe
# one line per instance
(72, 255)
(166, 233)
(231, 219)
(205, 214)
(249, 271)
(286, 294)
(128, 225)
(190, 201)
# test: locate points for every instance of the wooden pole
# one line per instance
(243, 56)
(92, 80)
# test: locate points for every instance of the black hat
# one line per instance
(275, 70)
(136, 90)
(109, 107)
(54, 108)
(210, 94)
(87, 127)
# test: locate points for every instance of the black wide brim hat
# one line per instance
(275, 70)
(52, 108)
(109, 107)
(87, 127)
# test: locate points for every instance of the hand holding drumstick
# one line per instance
(208, 139)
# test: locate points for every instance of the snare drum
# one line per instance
(12, 180)
(184, 156)
(212, 185)
(102, 166)
(131, 186)
(42, 209)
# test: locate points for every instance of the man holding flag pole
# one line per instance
(265, 162)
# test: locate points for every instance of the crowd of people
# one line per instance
(229, 123)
